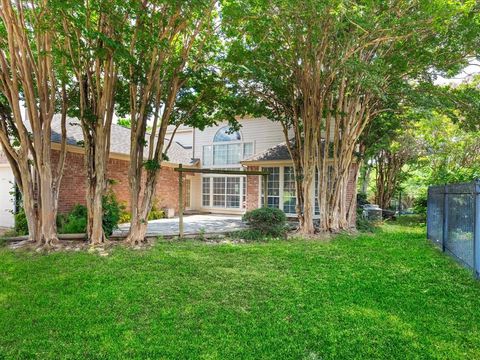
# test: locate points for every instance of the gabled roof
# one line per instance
(275, 153)
(119, 141)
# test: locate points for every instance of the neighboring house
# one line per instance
(7, 198)
(259, 144)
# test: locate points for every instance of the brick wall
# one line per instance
(73, 186)
(252, 189)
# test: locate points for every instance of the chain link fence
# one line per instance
(453, 221)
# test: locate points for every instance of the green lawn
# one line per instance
(388, 295)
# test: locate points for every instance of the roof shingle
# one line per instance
(119, 141)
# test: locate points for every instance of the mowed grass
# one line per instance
(389, 295)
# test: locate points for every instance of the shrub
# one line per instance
(21, 224)
(112, 210)
(248, 235)
(156, 213)
(125, 217)
(363, 224)
(420, 205)
(75, 221)
(267, 221)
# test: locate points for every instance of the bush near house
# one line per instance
(267, 221)
(21, 225)
(75, 221)
(154, 214)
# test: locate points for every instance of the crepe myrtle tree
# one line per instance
(172, 80)
(95, 35)
(33, 76)
(324, 70)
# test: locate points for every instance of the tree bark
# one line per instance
(27, 68)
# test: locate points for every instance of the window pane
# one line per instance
(220, 154)
(247, 150)
(244, 198)
(289, 191)
(218, 185)
(226, 134)
(206, 191)
(234, 153)
(273, 187)
(207, 155)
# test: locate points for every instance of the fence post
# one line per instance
(445, 217)
(476, 229)
(429, 213)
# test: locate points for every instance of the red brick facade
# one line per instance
(252, 199)
(73, 187)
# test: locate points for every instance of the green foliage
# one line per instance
(75, 222)
(112, 210)
(267, 221)
(125, 216)
(420, 205)
(151, 165)
(21, 224)
(250, 235)
(155, 214)
(126, 123)
(363, 224)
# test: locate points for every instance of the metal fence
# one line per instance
(453, 221)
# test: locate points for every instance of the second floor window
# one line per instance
(227, 149)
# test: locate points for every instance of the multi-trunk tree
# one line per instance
(325, 69)
(95, 33)
(170, 43)
(33, 89)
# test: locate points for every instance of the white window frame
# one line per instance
(210, 148)
(242, 194)
(281, 189)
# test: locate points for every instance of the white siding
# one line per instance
(262, 132)
(6, 198)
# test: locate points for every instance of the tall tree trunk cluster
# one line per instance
(96, 74)
(27, 67)
(154, 92)
(388, 166)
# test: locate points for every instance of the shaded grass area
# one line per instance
(385, 295)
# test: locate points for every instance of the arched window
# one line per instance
(226, 134)
(227, 149)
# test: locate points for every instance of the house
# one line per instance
(259, 144)
(73, 185)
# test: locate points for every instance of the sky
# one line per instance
(469, 71)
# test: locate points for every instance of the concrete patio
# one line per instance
(193, 224)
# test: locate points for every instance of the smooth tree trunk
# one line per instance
(28, 80)
(157, 93)
(139, 223)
